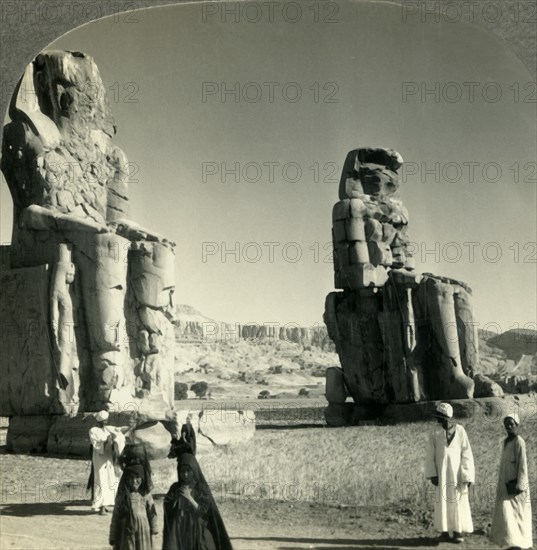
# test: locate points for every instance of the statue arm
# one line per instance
(134, 232)
(42, 219)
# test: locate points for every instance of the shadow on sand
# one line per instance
(360, 547)
(82, 508)
(348, 544)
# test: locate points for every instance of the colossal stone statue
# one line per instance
(401, 337)
(87, 295)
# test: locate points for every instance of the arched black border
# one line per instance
(21, 40)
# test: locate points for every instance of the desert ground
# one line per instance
(285, 369)
(324, 488)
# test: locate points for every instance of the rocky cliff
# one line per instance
(193, 326)
(245, 359)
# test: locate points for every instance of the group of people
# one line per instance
(450, 468)
(191, 517)
(192, 520)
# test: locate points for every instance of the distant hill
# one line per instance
(243, 360)
(516, 343)
(512, 353)
(192, 326)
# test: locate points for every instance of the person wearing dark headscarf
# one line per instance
(136, 454)
(186, 442)
(191, 518)
(189, 434)
(134, 521)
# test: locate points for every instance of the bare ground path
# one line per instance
(259, 525)
(44, 505)
(35, 516)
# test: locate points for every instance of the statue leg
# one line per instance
(467, 331)
(103, 264)
(151, 278)
(360, 348)
(452, 382)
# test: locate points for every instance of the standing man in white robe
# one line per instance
(450, 467)
(511, 523)
(108, 443)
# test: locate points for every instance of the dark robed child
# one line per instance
(134, 521)
(191, 518)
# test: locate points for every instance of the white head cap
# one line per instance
(444, 410)
(515, 417)
(102, 416)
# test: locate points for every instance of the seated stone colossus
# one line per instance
(401, 336)
(86, 294)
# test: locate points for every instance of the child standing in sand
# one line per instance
(134, 521)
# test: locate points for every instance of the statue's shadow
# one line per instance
(382, 543)
(71, 508)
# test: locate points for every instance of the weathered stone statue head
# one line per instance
(69, 164)
(71, 93)
(370, 171)
(106, 278)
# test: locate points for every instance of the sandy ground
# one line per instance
(38, 512)
(259, 525)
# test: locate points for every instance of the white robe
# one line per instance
(105, 481)
(511, 523)
(453, 464)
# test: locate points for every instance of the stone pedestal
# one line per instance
(487, 409)
(336, 391)
(27, 369)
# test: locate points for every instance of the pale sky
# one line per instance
(351, 74)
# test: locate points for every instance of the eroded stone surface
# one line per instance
(401, 337)
(28, 434)
(369, 222)
(155, 439)
(28, 373)
(485, 387)
(336, 391)
(94, 280)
